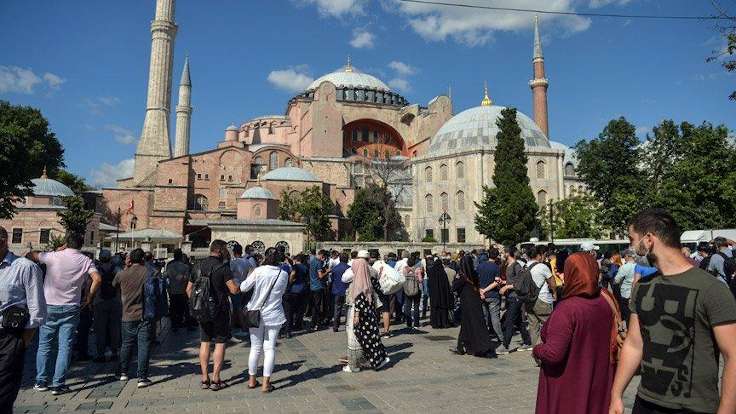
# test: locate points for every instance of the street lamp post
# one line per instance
(444, 218)
(133, 222)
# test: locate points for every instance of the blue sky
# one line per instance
(85, 63)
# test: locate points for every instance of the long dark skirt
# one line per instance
(366, 332)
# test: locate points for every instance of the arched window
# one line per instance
(255, 167)
(200, 202)
(444, 201)
(460, 169)
(460, 200)
(569, 170)
(273, 161)
(541, 169)
(258, 247)
(288, 163)
(428, 200)
(443, 172)
(284, 245)
(542, 198)
(256, 211)
(428, 174)
(581, 190)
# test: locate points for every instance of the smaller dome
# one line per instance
(231, 127)
(290, 174)
(48, 187)
(258, 193)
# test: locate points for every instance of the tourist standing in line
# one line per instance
(66, 271)
(702, 325)
(268, 282)
(178, 272)
(625, 279)
(22, 311)
(385, 308)
(514, 305)
(297, 295)
(412, 292)
(473, 337)
(338, 290)
(107, 309)
(136, 329)
(365, 322)
(542, 277)
(318, 274)
(489, 276)
(217, 330)
(441, 299)
(240, 267)
(579, 348)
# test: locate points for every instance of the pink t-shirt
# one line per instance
(66, 272)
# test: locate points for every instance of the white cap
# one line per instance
(588, 246)
(363, 254)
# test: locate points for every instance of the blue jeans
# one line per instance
(142, 331)
(411, 310)
(425, 295)
(61, 322)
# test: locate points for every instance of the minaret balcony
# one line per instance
(538, 82)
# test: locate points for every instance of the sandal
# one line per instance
(218, 385)
(269, 389)
(205, 384)
(255, 386)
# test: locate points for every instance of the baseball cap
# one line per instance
(363, 254)
(588, 246)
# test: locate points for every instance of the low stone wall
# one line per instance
(397, 247)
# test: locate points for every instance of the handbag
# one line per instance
(15, 319)
(251, 318)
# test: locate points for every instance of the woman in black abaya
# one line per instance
(473, 338)
(440, 296)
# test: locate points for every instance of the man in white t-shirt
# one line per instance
(542, 277)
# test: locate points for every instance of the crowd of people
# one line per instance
(590, 320)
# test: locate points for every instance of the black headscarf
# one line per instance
(467, 270)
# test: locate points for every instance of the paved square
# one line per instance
(423, 377)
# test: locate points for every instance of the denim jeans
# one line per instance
(425, 296)
(514, 314)
(142, 331)
(492, 314)
(411, 310)
(338, 306)
(61, 322)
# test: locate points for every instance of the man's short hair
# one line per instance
(720, 242)
(218, 246)
(323, 252)
(493, 254)
(238, 249)
(512, 251)
(354, 254)
(343, 258)
(659, 222)
(539, 250)
(148, 256)
(178, 254)
(137, 256)
(74, 240)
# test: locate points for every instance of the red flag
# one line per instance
(130, 207)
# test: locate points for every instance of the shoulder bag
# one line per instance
(252, 317)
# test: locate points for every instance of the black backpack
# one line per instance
(729, 266)
(203, 303)
(527, 290)
(107, 290)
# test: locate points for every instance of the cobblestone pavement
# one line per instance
(422, 377)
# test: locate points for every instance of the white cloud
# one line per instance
(601, 3)
(362, 39)
(122, 135)
(17, 80)
(401, 68)
(291, 80)
(106, 174)
(337, 8)
(400, 84)
(474, 27)
(54, 81)
(98, 105)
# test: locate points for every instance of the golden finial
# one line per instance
(486, 100)
(349, 66)
(43, 174)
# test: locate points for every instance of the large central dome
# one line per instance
(476, 127)
(349, 77)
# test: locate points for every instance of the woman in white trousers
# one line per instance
(268, 283)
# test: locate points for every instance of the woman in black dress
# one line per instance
(473, 338)
(440, 296)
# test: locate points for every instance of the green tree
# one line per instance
(573, 217)
(507, 212)
(373, 218)
(698, 180)
(311, 207)
(73, 181)
(610, 167)
(75, 217)
(26, 147)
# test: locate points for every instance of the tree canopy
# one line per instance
(76, 216)
(311, 207)
(26, 147)
(573, 217)
(373, 218)
(507, 213)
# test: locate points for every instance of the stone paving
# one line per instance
(422, 377)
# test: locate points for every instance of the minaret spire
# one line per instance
(486, 100)
(349, 66)
(539, 83)
(183, 112)
(154, 144)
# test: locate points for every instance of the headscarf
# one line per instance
(581, 279)
(361, 280)
(467, 270)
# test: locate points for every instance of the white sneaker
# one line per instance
(123, 377)
(384, 362)
(347, 368)
(41, 387)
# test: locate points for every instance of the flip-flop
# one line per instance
(255, 386)
(217, 386)
(269, 389)
(205, 384)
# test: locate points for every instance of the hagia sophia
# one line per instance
(327, 137)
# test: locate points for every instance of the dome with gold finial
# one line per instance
(350, 77)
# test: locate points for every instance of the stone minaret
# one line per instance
(154, 144)
(183, 113)
(539, 84)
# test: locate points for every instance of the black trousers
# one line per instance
(338, 310)
(514, 314)
(179, 310)
(12, 351)
(292, 306)
(81, 346)
(646, 407)
(318, 311)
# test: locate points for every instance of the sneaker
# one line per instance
(384, 362)
(123, 377)
(503, 350)
(41, 387)
(144, 382)
(61, 389)
(347, 368)
(525, 347)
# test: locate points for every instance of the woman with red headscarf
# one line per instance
(579, 346)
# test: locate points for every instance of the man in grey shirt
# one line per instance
(716, 266)
(177, 272)
(514, 305)
(21, 288)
